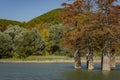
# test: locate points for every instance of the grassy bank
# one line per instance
(50, 59)
(38, 58)
(42, 58)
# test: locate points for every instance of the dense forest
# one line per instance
(74, 28)
(39, 36)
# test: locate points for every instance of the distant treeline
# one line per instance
(40, 36)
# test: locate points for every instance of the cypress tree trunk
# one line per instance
(77, 59)
(105, 58)
(90, 64)
(112, 59)
(106, 63)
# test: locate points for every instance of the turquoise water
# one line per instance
(35, 71)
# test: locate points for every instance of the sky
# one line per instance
(25, 10)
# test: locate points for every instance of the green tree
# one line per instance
(25, 42)
(5, 45)
(56, 35)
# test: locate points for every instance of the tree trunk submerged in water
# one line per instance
(106, 63)
(112, 59)
(90, 64)
(105, 58)
(77, 59)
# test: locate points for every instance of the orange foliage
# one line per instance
(86, 25)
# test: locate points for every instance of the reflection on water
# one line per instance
(96, 74)
(106, 73)
(55, 72)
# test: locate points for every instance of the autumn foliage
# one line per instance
(92, 22)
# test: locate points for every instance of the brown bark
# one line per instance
(106, 63)
(105, 58)
(112, 59)
(90, 64)
(77, 59)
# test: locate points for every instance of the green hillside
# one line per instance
(4, 23)
(49, 17)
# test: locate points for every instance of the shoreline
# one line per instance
(43, 61)
(51, 59)
(48, 61)
(38, 61)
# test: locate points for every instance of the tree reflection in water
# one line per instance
(97, 74)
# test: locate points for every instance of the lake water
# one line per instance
(35, 71)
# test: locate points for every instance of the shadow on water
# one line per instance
(96, 67)
(69, 67)
(96, 74)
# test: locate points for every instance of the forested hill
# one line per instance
(4, 23)
(49, 17)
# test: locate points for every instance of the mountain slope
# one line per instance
(4, 23)
(49, 17)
